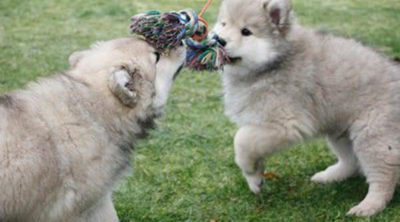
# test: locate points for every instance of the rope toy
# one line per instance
(166, 31)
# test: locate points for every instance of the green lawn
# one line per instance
(185, 170)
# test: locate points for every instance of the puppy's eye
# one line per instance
(223, 24)
(158, 56)
(246, 32)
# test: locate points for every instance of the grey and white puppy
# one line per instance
(288, 83)
(66, 140)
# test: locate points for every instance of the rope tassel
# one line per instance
(166, 31)
(205, 55)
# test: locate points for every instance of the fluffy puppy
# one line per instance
(288, 83)
(67, 139)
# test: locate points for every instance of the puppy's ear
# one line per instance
(75, 57)
(123, 83)
(279, 13)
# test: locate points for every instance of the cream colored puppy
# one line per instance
(288, 83)
(67, 139)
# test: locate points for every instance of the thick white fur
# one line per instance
(66, 140)
(293, 83)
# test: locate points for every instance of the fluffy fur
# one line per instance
(67, 139)
(288, 83)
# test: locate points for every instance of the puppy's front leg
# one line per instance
(253, 144)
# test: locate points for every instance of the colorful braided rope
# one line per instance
(165, 31)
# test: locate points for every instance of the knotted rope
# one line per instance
(165, 31)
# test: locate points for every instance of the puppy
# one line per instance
(287, 83)
(67, 139)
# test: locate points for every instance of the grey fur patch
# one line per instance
(146, 125)
(6, 101)
(276, 64)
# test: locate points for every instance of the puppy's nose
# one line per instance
(221, 41)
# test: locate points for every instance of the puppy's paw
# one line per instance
(334, 173)
(366, 209)
(321, 177)
(255, 182)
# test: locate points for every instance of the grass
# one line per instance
(185, 170)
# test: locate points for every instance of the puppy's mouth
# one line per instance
(234, 60)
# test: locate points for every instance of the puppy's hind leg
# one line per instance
(380, 164)
(252, 145)
(346, 166)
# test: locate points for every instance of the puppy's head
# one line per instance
(253, 31)
(129, 69)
